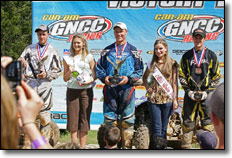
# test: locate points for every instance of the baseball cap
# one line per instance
(206, 139)
(42, 27)
(215, 101)
(199, 31)
(120, 25)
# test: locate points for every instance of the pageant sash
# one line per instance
(163, 82)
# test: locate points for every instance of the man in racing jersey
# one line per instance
(119, 93)
(199, 74)
(41, 64)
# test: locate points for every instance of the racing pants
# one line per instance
(118, 110)
(191, 110)
(44, 89)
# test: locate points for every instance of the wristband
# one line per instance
(24, 124)
(35, 144)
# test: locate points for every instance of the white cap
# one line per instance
(120, 25)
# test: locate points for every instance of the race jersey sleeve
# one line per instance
(138, 67)
(55, 67)
(101, 67)
(215, 74)
(183, 74)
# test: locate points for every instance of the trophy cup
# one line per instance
(116, 78)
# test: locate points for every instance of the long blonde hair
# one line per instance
(85, 50)
(9, 123)
(167, 68)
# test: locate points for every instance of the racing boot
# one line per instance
(127, 137)
(187, 140)
(158, 142)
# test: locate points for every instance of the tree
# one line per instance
(16, 27)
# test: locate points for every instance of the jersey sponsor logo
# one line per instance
(92, 27)
(181, 30)
(193, 62)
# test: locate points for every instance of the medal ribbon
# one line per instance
(41, 54)
(116, 48)
(198, 61)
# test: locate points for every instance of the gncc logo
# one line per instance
(92, 27)
(181, 30)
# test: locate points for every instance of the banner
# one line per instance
(145, 20)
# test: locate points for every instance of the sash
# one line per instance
(163, 82)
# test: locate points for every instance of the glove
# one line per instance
(191, 95)
(204, 95)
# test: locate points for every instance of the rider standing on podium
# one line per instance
(199, 74)
(119, 98)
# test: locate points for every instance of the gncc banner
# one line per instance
(146, 21)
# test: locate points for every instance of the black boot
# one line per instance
(158, 142)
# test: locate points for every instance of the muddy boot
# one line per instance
(187, 140)
(127, 136)
(26, 143)
(46, 132)
(158, 142)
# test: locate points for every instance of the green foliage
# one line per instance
(16, 27)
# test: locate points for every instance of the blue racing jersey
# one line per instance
(132, 67)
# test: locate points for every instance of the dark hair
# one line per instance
(112, 135)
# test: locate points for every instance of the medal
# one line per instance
(41, 54)
(198, 71)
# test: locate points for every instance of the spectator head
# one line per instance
(215, 101)
(206, 139)
(112, 135)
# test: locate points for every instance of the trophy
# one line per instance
(116, 78)
(40, 64)
(37, 71)
(197, 93)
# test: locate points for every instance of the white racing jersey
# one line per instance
(52, 66)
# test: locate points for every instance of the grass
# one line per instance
(91, 139)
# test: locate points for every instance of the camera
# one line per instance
(13, 73)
